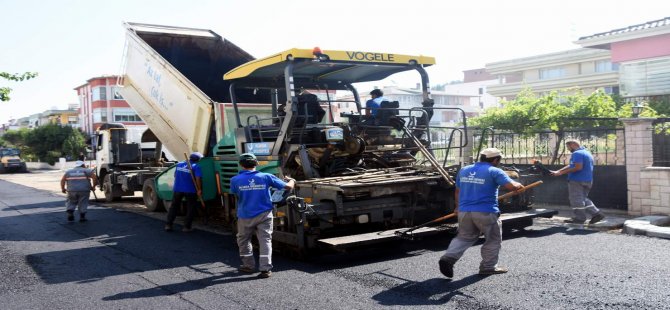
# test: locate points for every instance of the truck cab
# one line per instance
(10, 161)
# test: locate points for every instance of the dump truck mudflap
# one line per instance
(509, 220)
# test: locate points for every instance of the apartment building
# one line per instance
(642, 53)
(101, 103)
(587, 69)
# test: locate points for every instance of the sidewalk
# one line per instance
(614, 219)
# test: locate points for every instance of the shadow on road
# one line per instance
(436, 291)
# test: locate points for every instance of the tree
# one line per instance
(4, 91)
(528, 114)
(49, 142)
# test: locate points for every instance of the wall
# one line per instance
(643, 48)
(648, 187)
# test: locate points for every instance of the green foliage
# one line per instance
(528, 113)
(16, 77)
(47, 143)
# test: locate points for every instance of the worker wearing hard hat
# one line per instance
(254, 213)
(184, 188)
(477, 204)
(78, 189)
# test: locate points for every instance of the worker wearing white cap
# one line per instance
(78, 188)
(476, 199)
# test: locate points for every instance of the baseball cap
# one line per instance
(247, 156)
(195, 156)
(79, 163)
(491, 152)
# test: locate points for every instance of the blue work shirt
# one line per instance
(253, 191)
(478, 187)
(586, 159)
(182, 177)
(374, 104)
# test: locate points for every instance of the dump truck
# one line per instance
(10, 160)
(172, 78)
(360, 180)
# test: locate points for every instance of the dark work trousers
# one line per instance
(191, 204)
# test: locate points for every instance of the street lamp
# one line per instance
(637, 108)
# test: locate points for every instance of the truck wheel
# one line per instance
(150, 196)
(109, 189)
(24, 168)
(2, 168)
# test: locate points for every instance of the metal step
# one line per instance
(342, 243)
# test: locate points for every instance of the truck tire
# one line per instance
(112, 192)
(24, 168)
(2, 168)
(150, 196)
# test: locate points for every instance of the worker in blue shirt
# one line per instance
(185, 188)
(254, 213)
(580, 181)
(372, 105)
(476, 200)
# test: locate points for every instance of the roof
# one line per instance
(331, 68)
(650, 28)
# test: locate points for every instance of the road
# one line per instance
(124, 260)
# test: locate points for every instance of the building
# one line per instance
(475, 84)
(587, 69)
(101, 102)
(642, 53)
(61, 117)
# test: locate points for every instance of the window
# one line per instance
(125, 116)
(606, 66)
(72, 119)
(116, 95)
(611, 90)
(99, 93)
(551, 73)
(100, 116)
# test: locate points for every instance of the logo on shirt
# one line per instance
(472, 178)
(252, 186)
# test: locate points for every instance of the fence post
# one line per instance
(468, 149)
(639, 155)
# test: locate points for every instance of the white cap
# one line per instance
(79, 163)
(491, 152)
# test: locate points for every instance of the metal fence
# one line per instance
(661, 142)
(606, 145)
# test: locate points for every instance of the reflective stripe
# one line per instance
(76, 178)
(246, 255)
(263, 255)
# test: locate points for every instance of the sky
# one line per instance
(69, 41)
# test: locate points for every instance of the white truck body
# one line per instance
(178, 113)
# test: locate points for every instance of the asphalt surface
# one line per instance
(123, 260)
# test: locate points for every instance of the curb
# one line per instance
(651, 226)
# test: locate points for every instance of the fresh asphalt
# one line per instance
(123, 260)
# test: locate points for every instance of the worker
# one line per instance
(78, 181)
(580, 180)
(372, 105)
(184, 188)
(477, 204)
(254, 213)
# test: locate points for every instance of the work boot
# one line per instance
(70, 216)
(187, 230)
(446, 268)
(265, 274)
(597, 218)
(574, 221)
(245, 269)
(496, 270)
(82, 217)
(168, 227)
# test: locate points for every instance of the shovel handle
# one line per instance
(519, 191)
